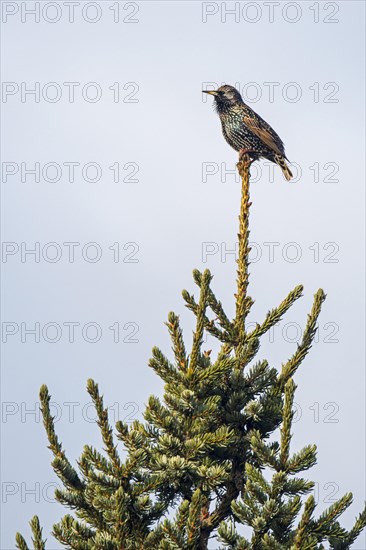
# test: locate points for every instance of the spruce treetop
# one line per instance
(204, 469)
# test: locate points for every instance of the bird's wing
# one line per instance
(262, 130)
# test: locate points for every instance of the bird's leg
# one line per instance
(243, 152)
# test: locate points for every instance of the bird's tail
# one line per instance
(279, 159)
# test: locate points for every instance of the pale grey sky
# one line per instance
(162, 203)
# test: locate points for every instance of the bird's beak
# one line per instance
(211, 92)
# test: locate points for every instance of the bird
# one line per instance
(245, 131)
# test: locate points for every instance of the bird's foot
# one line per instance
(244, 156)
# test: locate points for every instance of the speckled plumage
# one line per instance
(245, 131)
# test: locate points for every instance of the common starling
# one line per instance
(246, 131)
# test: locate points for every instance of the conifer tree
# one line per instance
(201, 465)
